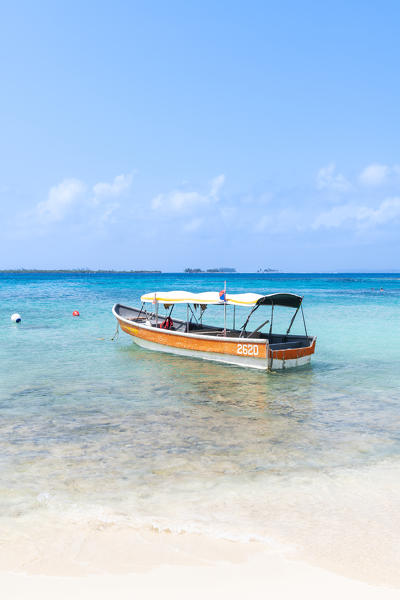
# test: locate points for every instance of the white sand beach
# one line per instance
(243, 573)
(337, 537)
(113, 563)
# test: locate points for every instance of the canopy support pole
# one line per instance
(187, 318)
(304, 321)
(292, 321)
(156, 314)
(234, 316)
(195, 318)
(258, 329)
(243, 328)
(272, 318)
(225, 319)
(141, 310)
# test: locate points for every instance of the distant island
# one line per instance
(226, 270)
(267, 270)
(214, 270)
(83, 271)
(127, 271)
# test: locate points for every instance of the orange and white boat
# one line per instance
(246, 346)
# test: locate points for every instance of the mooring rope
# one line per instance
(116, 334)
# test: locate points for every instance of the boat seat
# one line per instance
(179, 327)
(286, 345)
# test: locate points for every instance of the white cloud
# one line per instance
(216, 184)
(374, 174)
(181, 201)
(262, 223)
(108, 213)
(116, 188)
(71, 198)
(336, 216)
(177, 200)
(284, 220)
(327, 178)
(193, 225)
(361, 216)
(60, 200)
(389, 210)
(396, 170)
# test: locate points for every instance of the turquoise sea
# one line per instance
(100, 431)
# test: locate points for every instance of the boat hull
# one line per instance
(244, 352)
(240, 361)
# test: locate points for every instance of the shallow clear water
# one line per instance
(102, 429)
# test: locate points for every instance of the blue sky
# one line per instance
(171, 134)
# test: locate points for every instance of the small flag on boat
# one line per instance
(222, 294)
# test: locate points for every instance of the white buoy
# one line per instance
(16, 318)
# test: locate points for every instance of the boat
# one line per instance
(247, 345)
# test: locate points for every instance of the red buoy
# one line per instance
(75, 313)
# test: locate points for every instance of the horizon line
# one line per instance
(160, 272)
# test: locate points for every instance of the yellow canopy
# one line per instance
(182, 297)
